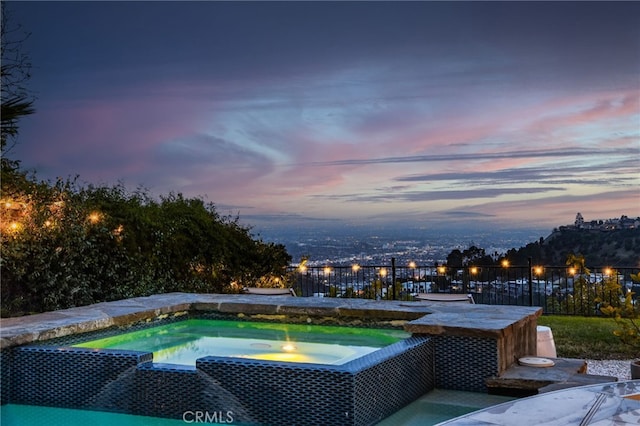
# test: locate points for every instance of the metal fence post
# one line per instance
(530, 283)
(393, 278)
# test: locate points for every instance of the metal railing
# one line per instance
(557, 289)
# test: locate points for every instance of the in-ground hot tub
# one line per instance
(186, 341)
(255, 373)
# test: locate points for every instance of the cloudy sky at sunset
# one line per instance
(365, 112)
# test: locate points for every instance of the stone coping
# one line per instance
(523, 380)
(418, 317)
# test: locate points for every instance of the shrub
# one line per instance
(626, 316)
(590, 292)
(64, 245)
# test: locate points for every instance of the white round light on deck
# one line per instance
(533, 361)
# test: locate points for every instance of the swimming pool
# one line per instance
(185, 341)
(435, 407)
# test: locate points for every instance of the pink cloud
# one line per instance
(601, 108)
(122, 138)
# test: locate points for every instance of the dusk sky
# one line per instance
(423, 113)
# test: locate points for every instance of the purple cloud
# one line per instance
(329, 110)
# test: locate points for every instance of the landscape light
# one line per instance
(303, 268)
(441, 269)
(572, 271)
(412, 265)
(355, 267)
(383, 272)
(327, 270)
(505, 263)
(94, 217)
(607, 272)
(474, 270)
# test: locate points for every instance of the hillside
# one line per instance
(618, 248)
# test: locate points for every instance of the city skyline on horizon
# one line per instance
(274, 228)
(406, 229)
(366, 246)
(314, 114)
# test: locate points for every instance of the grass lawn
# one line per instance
(586, 337)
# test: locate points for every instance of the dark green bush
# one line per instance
(64, 245)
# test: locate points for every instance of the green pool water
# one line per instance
(31, 415)
(435, 407)
(440, 405)
(185, 341)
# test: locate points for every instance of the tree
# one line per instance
(476, 255)
(16, 100)
(455, 259)
(470, 256)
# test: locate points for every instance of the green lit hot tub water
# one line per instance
(185, 341)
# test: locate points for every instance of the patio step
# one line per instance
(519, 380)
